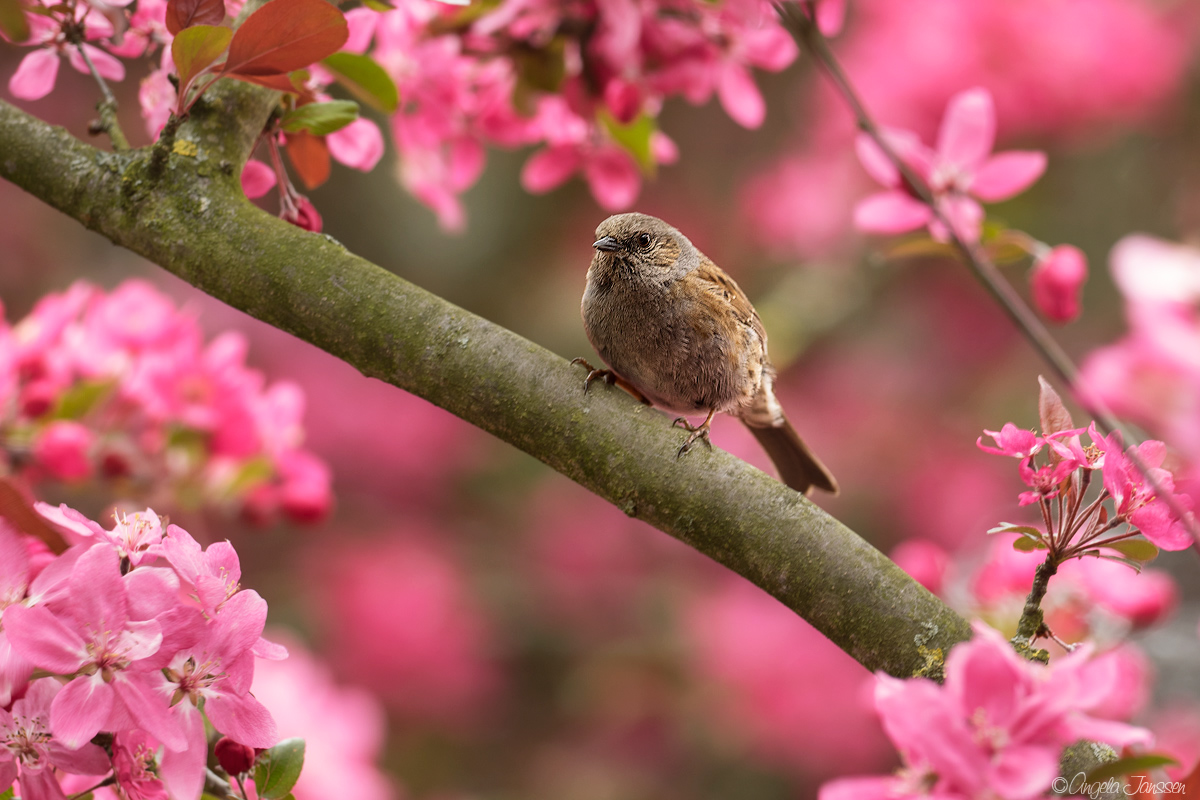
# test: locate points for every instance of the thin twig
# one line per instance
(804, 28)
(107, 107)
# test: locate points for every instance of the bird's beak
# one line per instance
(608, 244)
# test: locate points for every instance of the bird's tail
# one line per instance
(798, 467)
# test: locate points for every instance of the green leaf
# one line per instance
(253, 472)
(1129, 766)
(379, 5)
(320, 119)
(7, 794)
(196, 48)
(1136, 549)
(13, 25)
(1009, 527)
(1027, 544)
(277, 770)
(365, 79)
(81, 399)
(920, 247)
(635, 137)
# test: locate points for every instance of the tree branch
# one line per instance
(194, 221)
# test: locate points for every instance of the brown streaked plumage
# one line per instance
(679, 333)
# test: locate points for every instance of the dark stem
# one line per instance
(107, 107)
(109, 781)
(804, 28)
(1031, 617)
(217, 786)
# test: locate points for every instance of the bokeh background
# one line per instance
(468, 623)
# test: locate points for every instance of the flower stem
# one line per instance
(1031, 617)
(107, 107)
(801, 22)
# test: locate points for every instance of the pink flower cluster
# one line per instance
(1136, 502)
(133, 633)
(584, 80)
(122, 385)
(995, 729)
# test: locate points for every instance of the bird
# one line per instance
(678, 333)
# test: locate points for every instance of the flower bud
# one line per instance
(234, 757)
(1057, 283)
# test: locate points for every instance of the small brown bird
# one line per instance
(679, 333)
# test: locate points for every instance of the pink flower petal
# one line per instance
(872, 787)
(613, 178)
(97, 592)
(968, 129)
(80, 710)
(361, 22)
(890, 212)
(243, 719)
(42, 639)
(182, 770)
(549, 168)
(1023, 772)
(239, 624)
(147, 697)
(831, 16)
(35, 75)
(108, 66)
(1007, 174)
(257, 178)
(359, 145)
(740, 96)
(965, 217)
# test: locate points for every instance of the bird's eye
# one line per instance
(643, 240)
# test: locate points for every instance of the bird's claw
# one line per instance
(593, 373)
(695, 433)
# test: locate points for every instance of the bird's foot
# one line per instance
(609, 377)
(695, 433)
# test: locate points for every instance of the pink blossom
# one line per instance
(960, 169)
(30, 753)
(134, 763)
(95, 635)
(37, 72)
(996, 727)
(1012, 441)
(1056, 283)
(63, 449)
(358, 145)
(1136, 499)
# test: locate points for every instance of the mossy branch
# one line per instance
(193, 220)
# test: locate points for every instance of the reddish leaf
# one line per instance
(196, 48)
(19, 512)
(186, 13)
(286, 35)
(310, 156)
(1053, 415)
